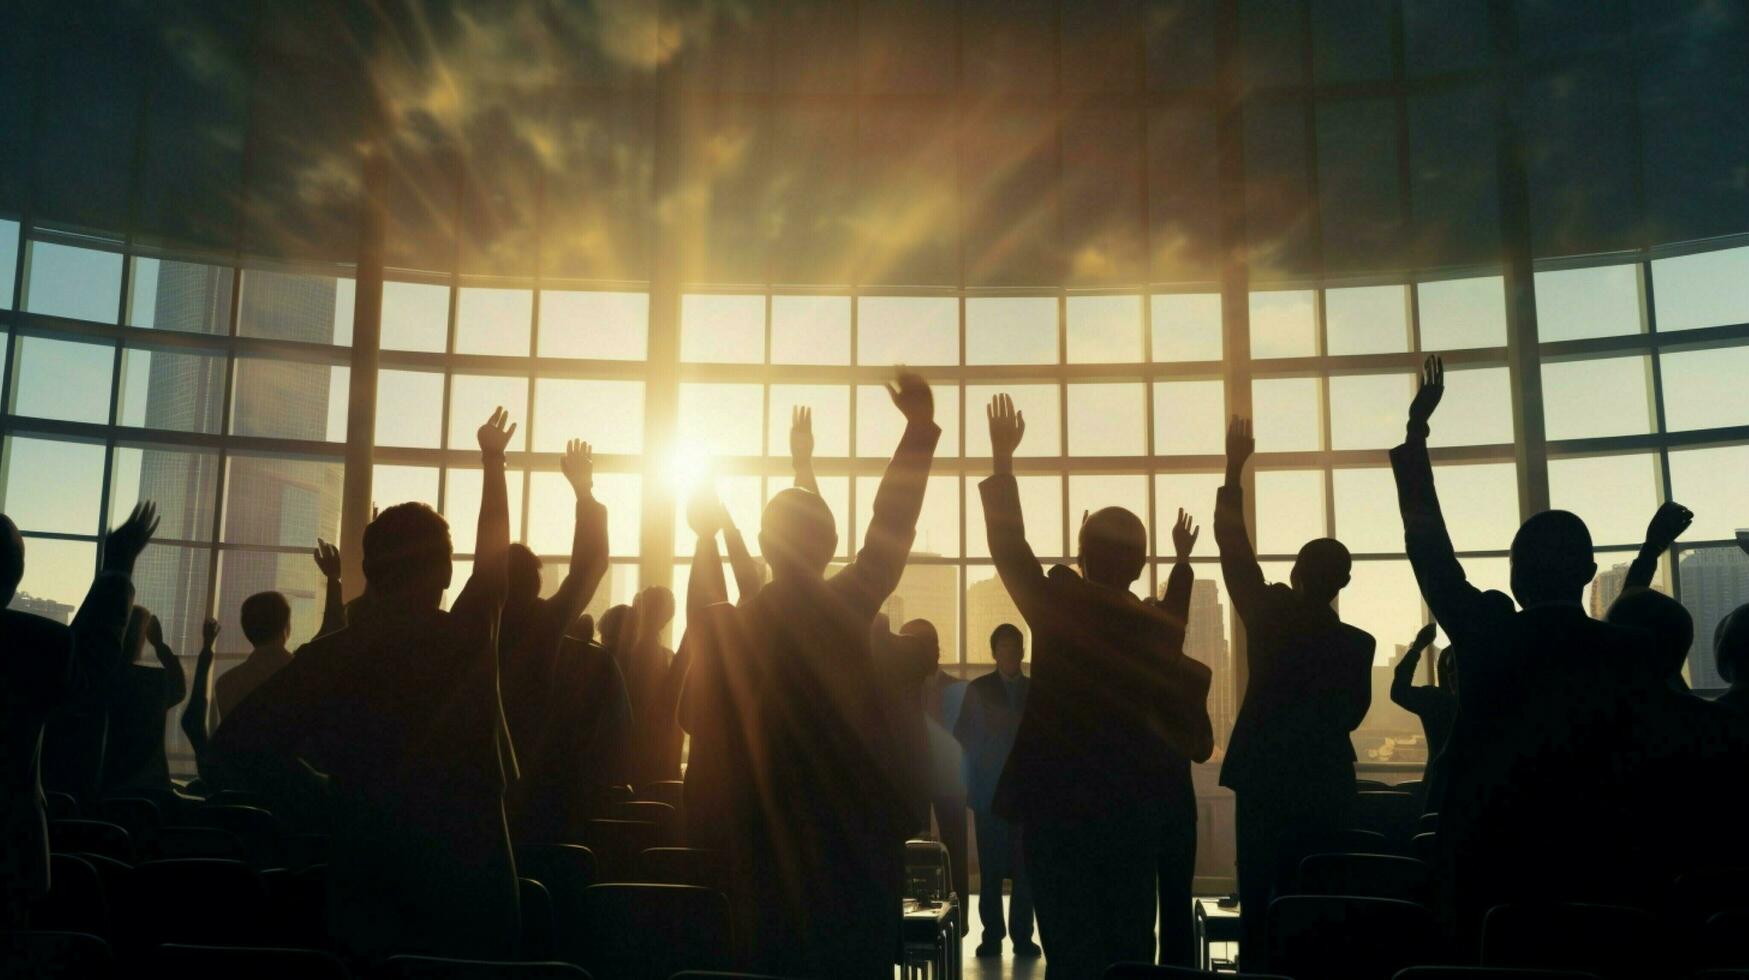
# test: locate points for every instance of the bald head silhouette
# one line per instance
(11, 560)
(1321, 569)
(1113, 547)
(1552, 559)
(797, 534)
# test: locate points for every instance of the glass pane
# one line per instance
(1708, 289)
(1284, 323)
(929, 592)
(1710, 483)
(183, 482)
(879, 425)
(461, 506)
(831, 411)
(1105, 329)
(1598, 397)
(415, 316)
(1714, 582)
(57, 574)
(1615, 495)
(288, 306)
(810, 330)
(1704, 388)
(473, 398)
(391, 485)
(8, 260)
(1599, 302)
(244, 573)
(608, 326)
(1190, 417)
(1367, 411)
(1383, 599)
(80, 283)
(493, 321)
(53, 486)
(287, 399)
(183, 296)
(744, 496)
(721, 420)
(1290, 510)
(1088, 493)
(623, 496)
(62, 379)
(1612, 574)
(1108, 420)
(174, 389)
(1480, 503)
(172, 583)
(1041, 507)
(282, 501)
(609, 415)
(1011, 330)
(722, 329)
(988, 606)
(1462, 313)
(1286, 414)
(938, 527)
(552, 517)
(1194, 493)
(1366, 519)
(409, 409)
(1039, 403)
(1366, 320)
(1187, 326)
(907, 330)
(1476, 409)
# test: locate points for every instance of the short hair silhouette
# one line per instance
(1007, 631)
(266, 618)
(1445, 669)
(1113, 547)
(659, 605)
(407, 547)
(1322, 568)
(611, 623)
(583, 628)
(524, 573)
(1669, 622)
(1731, 643)
(1551, 558)
(797, 533)
(924, 631)
(11, 559)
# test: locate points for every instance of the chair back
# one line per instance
(92, 837)
(684, 866)
(1332, 937)
(1612, 941)
(200, 901)
(47, 954)
(440, 968)
(1367, 876)
(254, 962)
(651, 932)
(617, 844)
(75, 901)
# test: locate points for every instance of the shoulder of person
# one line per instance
(31, 629)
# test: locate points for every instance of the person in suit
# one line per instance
(1176, 870)
(1113, 703)
(1290, 762)
(988, 722)
(43, 666)
(266, 621)
(1550, 700)
(1435, 704)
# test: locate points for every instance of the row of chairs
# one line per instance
(1149, 971)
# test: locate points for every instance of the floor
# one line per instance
(1009, 968)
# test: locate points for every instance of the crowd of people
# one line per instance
(1570, 761)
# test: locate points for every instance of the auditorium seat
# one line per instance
(1367, 876)
(299, 903)
(76, 900)
(202, 901)
(567, 871)
(617, 845)
(245, 963)
(1424, 847)
(1150, 971)
(1612, 941)
(139, 816)
(651, 932)
(1328, 937)
(1488, 973)
(41, 954)
(300, 851)
(1427, 823)
(61, 806)
(1371, 786)
(439, 968)
(669, 791)
(665, 817)
(257, 830)
(537, 920)
(1392, 814)
(682, 866)
(175, 843)
(1357, 841)
(1724, 941)
(92, 837)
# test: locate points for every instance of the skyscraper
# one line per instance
(1606, 588)
(1714, 582)
(1205, 641)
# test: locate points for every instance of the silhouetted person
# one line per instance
(1731, 656)
(266, 621)
(43, 666)
(652, 680)
(399, 713)
(816, 817)
(943, 698)
(1114, 702)
(1534, 807)
(135, 762)
(540, 712)
(1435, 704)
(988, 721)
(1176, 868)
(1290, 762)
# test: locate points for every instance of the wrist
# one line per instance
(491, 457)
(1003, 465)
(1417, 430)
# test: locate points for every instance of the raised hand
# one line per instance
(704, 512)
(801, 434)
(128, 539)
(154, 630)
(1240, 445)
(1007, 428)
(1424, 638)
(1667, 525)
(494, 436)
(209, 633)
(1184, 535)
(911, 395)
(327, 559)
(578, 465)
(1431, 391)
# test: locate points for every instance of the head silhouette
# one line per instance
(525, 568)
(797, 534)
(1551, 559)
(655, 608)
(583, 629)
(1731, 645)
(1321, 570)
(1669, 623)
(266, 619)
(613, 624)
(922, 633)
(1445, 669)
(1007, 648)
(11, 560)
(407, 555)
(1113, 547)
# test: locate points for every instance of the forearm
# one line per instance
(804, 470)
(706, 584)
(1644, 568)
(1176, 601)
(748, 579)
(588, 557)
(1428, 543)
(196, 717)
(492, 542)
(175, 678)
(899, 499)
(1239, 567)
(333, 607)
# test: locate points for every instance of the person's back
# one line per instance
(580, 747)
(135, 761)
(266, 621)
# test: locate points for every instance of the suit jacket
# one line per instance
(988, 724)
(1309, 683)
(1114, 700)
(44, 665)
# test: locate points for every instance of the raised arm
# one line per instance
(196, 718)
(490, 579)
(103, 615)
(801, 447)
(748, 578)
(1175, 601)
(175, 678)
(588, 537)
(1403, 679)
(1239, 568)
(333, 602)
(705, 585)
(898, 501)
(1666, 526)
(1004, 522)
